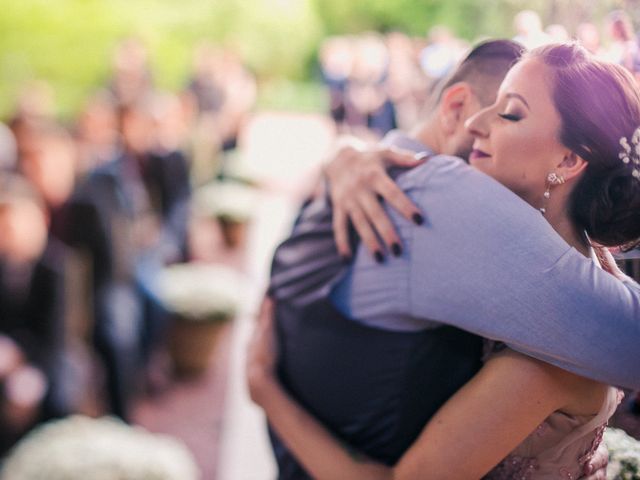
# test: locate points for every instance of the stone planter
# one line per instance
(192, 343)
(234, 231)
(201, 299)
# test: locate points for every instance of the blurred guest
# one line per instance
(132, 78)
(557, 33)
(8, 149)
(97, 131)
(441, 54)
(528, 26)
(240, 91)
(22, 391)
(35, 106)
(225, 92)
(32, 299)
(130, 214)
(49, 162)
(407, 84)
(589, 36)
(336, 62)
(623, 49)
(205, 83)
(369, 110)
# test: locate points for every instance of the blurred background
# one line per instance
(152, 154)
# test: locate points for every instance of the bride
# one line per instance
(563, 134)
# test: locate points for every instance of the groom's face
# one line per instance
(462, 143)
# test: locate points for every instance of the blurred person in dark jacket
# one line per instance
(96, 131)
(130, 216)
(32, 310)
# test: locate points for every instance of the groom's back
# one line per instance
(373, 388)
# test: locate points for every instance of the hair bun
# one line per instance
(610, 208)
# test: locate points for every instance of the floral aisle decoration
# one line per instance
(231, 204)
(624, 455)
(83, 448)
(201, 298)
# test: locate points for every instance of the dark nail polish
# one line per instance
(378, 256)
(396, 249)
(346, 259)
(418, 219)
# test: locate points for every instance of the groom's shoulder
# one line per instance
(439, 169)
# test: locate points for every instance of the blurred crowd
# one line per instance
(91, 213)
(380, 82)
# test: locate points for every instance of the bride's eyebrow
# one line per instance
(519, 97)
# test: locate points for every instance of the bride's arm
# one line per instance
(320, 453)
(468, 436)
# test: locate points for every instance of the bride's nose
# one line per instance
(476, 125)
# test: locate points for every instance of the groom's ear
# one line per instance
(453, 107)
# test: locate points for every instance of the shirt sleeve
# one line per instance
(489, 263)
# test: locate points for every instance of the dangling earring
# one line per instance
(553, 179)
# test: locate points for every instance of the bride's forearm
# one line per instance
(323, 456)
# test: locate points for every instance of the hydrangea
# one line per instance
(624, 455)
(83, 448)
(201, 292)
(229, 200)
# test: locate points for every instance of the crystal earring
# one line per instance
(553, 179)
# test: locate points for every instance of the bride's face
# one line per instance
(517, 138)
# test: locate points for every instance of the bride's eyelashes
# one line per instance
(509, 116)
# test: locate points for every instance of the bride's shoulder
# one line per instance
(582, 396)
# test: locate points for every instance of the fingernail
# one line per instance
(589, 469)
(378, 256)
(346, 259)
(421, 156)
(418, 219)
(396, 249)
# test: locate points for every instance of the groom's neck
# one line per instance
(426, 132)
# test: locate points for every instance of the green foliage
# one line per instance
(69, 42)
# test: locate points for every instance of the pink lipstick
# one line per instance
(477, 153)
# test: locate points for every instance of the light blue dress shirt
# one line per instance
(487, 262)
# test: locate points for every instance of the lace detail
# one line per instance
(599, 432)
(597, 439)
(566, 474)
(514, 467)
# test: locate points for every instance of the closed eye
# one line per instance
(510, 117)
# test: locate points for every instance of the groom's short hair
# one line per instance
(483, 69)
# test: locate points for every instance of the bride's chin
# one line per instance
(481, 163)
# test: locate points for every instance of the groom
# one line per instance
(376, 384)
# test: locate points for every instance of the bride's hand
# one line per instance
(262, 353)
(596, 468)
(608, 263)
(357, 179)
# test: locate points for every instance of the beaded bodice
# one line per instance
(561, 445)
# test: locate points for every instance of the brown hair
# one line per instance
(483, 69)
(598, 103)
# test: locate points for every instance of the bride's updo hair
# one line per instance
(598, 103)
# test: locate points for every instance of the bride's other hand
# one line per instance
(608, 263)
(596, 468)
(262, 353)
(357, 180)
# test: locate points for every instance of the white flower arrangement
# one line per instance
(200, 292)
(630, 154)
(624, 455)
(227, 200)
(83, 448)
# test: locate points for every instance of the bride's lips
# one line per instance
(477, 153)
